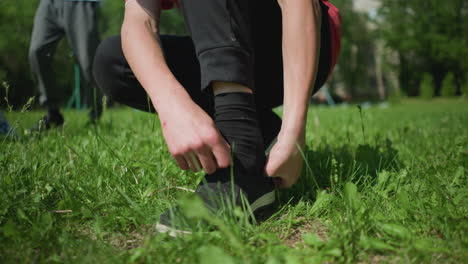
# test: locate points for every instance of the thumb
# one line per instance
(272, 167)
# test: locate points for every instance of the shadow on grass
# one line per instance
(328, 168)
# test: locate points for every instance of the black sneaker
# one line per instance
(219, 197)
(47, 122)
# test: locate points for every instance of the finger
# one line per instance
(194, 163)
(181, 162)
(222, 154)
(271, 170)
(190, 164)
(207, 161)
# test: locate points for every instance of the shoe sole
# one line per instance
(264, 200)
(173, 232)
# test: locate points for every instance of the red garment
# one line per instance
(333, 17)
(335, 32)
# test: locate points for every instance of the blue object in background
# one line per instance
(5, 128)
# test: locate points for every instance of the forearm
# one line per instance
(142, 49)
(301, 49)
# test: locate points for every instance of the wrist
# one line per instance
(292, 135)
(294, 125)
(165, 99)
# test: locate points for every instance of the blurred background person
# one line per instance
(77, 20)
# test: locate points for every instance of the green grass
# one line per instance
(389, 185)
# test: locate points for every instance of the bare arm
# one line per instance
(301, 50)
(190, 133)
(142, 49)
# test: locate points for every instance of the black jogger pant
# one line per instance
(236, 41)
(54, 19)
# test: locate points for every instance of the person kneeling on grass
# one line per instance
(214, 91)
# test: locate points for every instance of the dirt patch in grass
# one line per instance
(121, 241)
(381, 259)
(294, 237)
(128, 241)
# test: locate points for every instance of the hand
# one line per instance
(284, 162)
(192, 137)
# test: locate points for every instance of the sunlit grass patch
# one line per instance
(386, 185)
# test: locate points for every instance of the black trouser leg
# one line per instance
(221, 33)
(117, 80)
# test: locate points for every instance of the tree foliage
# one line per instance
(464, 89)
(16, 20)
(426, 88)
(448, 88)
(429, 36)
(356, 50)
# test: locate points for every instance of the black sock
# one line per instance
(236, 118)
(270, 124)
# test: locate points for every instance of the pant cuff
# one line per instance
(226, 64)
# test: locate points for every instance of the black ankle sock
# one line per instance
(270, 124)
(236, 118)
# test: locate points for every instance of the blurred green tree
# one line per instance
(448, 88)
(16, 19)
(429, 36)
(426, 87)
(464, 89)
